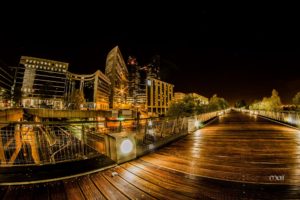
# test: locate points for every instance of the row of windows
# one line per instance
(45, 63)
(45, 68)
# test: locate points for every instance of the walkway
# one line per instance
(236, 157)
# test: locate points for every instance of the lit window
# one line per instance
(42, 62)
(60, 65)
(49, 64)
(26, 60)
(52, 68)
(37, 62)
(30, 61)
(64, 70)
(56, 65)
(25, 65)
(48, 68)
(34, 61)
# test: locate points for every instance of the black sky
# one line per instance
(237, 53)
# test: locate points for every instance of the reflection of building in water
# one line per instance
(117, 73)
(6, 82)
(41, 81)
(95, 88)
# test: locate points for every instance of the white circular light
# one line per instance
(126, 146)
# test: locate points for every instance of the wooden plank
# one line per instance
(11, 193)
(128, 189)
(73, 190)
(41, 192)
(106, 188)
(57, 191)
(158, 178)
(26, 192)
(89, 189)
(155, 190)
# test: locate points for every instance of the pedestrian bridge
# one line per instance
(236, 156)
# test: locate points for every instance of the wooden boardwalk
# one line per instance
(236, 157)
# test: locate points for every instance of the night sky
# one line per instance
(236, 53)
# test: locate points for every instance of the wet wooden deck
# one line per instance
(236, 157)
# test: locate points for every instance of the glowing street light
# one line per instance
(126, 146)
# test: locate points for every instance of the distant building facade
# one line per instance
(201, 100)
(6, 82)
(116, 71)
(137, 77)
(41, 82)
(159, 96)
(178, 96)
(95, 88)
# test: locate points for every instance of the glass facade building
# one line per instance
(41, 82)
(6, 82)
(95, 88)
(116, 71)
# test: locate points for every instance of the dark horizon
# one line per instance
(236, 54)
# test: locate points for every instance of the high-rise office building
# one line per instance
(6, 82)
(153, 68)
(159, 96)
(94, 87)
(41, 82)
(116, 71)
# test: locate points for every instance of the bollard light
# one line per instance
(126, 146)
(197, 123)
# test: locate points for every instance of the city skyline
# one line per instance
(238, 54)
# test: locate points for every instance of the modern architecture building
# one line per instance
(40, 82)
(116, 71)
(137, 77)
(94, 87)
(153, 68)
(6, 82)
(199, 98)
(159, 96)
(178, 96)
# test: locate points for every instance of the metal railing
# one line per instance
(40, 143)
(288, 117)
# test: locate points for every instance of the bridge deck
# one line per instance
(236, 157)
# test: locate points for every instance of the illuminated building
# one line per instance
(178, 96)
(153, 68)
(6, 82)
(41, 82)
(117, 73)
(199, 98)
(137, 76)
(95, 88)
(159, 96)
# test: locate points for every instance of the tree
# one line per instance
(240, 104)
(271, 103)
(296, 99)
(185, 107)
(217, 103)
(77, 99)
(17, 95)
